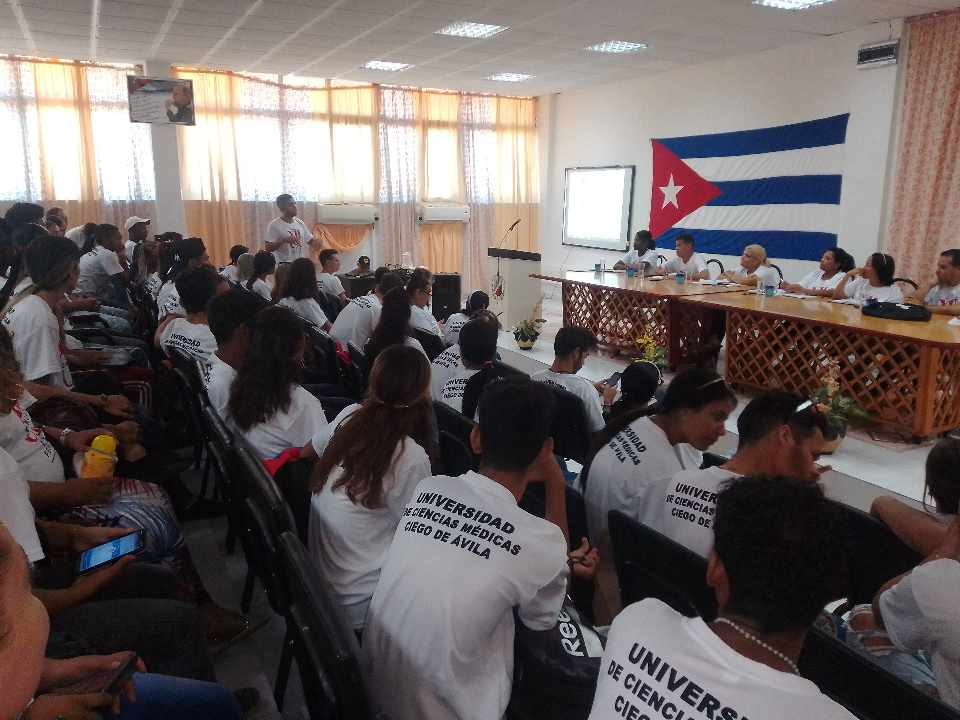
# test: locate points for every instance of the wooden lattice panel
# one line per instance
(946, 391)
(617, 317)
(692, 330)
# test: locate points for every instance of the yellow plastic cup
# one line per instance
(101, 458)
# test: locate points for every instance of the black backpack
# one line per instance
(897, 311)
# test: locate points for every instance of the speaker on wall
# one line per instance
(446, 295)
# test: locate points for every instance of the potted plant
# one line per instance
(839, 409)
(527, 331)
(649, 350)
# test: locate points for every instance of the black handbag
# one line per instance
(897, 311)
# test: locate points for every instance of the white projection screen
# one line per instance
(596, 206)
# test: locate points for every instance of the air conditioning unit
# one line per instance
(347, 214)
(878, 54)
(436, 212)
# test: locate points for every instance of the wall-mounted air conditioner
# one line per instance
(437, 212)
(347, 214)
(878, 54)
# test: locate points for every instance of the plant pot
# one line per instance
(526, 343)
(832, 444)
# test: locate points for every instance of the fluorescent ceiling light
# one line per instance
(471, 30)
(509, 77)
(617, 47)
(791, 4)
(386, 65)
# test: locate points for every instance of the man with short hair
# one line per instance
(439, 633)
(136, 228)
(780, 434)
(229, 316)
(642, 257)
(287, 235)
(326, 278)
(942, 296)
(571, 346)
(359, 317)
(191, 335)
(687, 261)
(778, 561)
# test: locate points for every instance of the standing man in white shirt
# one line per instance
(687, 261)
(440, 629)
(287, 235)
(943, 294)
(774, 568)
(136, 228)
(327, 278)
(643, 256)
(359, 317)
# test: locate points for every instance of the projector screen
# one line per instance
(596, 206)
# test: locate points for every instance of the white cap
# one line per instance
(131, 221)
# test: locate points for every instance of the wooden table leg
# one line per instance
(926, 391)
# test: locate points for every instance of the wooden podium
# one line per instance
(521, 293)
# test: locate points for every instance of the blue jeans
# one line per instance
(161, 697)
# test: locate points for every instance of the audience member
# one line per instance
(362, 268)
(230, 317)
(191, 335)
(300, 293)
(81, 234)
(834, 264)
(244, 268)
(359, 317)
(103, 274)
(571, 346)
(420, 291)
(327, 278)
(777, 563)
(477, 301)
(874, 281)
(137, 229)
(145, 265)
(287, 235)
(754, 270)
(264, 265)
(393, 327)
(687, 261)
(642, 257)
(231, 272)
(449, 362)
(478, 347)
(780, 434)
(439, 635)
(942, 296)
(55, 222)
(182, 255)
(639, 382)
(366, 477)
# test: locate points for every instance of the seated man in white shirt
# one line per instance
(478, 347)
(753, 270)
(359, 317)
(191, 335)
(287, 236)
(942, 296)
(687, 261)
(439, 635)
(230, 316)
(642, 257)
(137, 229)
(326, 278)
(780, 434)
(570, 348)
(774, 568)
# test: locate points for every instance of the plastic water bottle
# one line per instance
(681, 277)
(770, 290)
(101, 458)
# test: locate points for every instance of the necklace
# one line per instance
(754, 639)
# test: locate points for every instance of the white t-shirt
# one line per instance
(922, 612)
(152, 285)
(444, 366)
(230, 273)
(96, 269)
(193, 339)
(262, 289)
(76, 235)
(168, 301)
(25, 282)
(356, 321)
(28, 446)
(816, 281)
(280, 229)
(860, 290)
(36, 342)
(308, 309)
(685, 504)
(330, 283)
(414, 343)
(217, 380)
(128, 247)
(625, 473)
(453, 326)
(452, 390)
(692, 266)
(633, 258)
(657, 658)
(350, 542)
(421, 318)
(940, 295)
(765, 275)
(16, 512)
(439, 635)
(583, 389)
(293, 428)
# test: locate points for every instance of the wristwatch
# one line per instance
(63, 435)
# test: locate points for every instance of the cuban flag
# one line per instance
(778, 187)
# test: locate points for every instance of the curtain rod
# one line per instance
(79, 63)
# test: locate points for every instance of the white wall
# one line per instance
(166, 164)
(613, 124)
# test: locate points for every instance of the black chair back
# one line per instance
(455, 423)
(713, 460)
(456, 456)
(661, 259)
(324, 365)
(572, 438)
(262, 488)
(220, 441)
(325, 646)
(432, 344)
(714, 261)
(293, 481)
(907, 281)
(333, 306)
(360, 362)
(193, 405)
(777, 268)
(534, 501)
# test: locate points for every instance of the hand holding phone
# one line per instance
(110, 552)
(112, 677)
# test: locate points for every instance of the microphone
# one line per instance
(515, 223)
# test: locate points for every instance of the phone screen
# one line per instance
(614, 379)
(108, 552)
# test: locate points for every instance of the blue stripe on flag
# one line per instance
(815, 133)
(791, 190)
(786, 244)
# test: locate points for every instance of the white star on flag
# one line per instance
(670, 192)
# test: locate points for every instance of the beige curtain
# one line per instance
(339, 237)
(926, 209)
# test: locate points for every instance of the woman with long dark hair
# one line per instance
(264, 265)
(393, 327)
(420, 291)
(182, 254)
(874, 281)
(367, 474)
(267, 403)
(301, 294)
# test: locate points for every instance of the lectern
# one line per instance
(519, 292)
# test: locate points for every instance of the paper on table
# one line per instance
(955, 321)
(846, 301)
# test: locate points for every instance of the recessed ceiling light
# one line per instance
(386, 65)
(617, 47)
(791, 4)
(509, 77)
(471, 30)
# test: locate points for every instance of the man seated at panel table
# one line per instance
(687, 261)
(834, 264)
(753, 270)
(943, 294)
(643, 256)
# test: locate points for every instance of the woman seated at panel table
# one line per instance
(874, 281)
(823, 281)
(753, 270)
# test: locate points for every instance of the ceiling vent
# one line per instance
(884, 53)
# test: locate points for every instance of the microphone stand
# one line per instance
(497, 286)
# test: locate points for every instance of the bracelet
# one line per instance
(63, 435)
(23, 713)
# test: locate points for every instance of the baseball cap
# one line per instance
(131, 221)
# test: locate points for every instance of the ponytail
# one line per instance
(491, 372)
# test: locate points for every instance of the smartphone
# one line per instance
(108, 553)
(613, 380)
(108, 681)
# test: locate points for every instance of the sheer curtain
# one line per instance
(69, 141)
(926, 210)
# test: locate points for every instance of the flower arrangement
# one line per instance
(527, 331)
(838, 408)
(652, 352)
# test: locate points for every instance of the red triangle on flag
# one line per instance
(677, 190)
